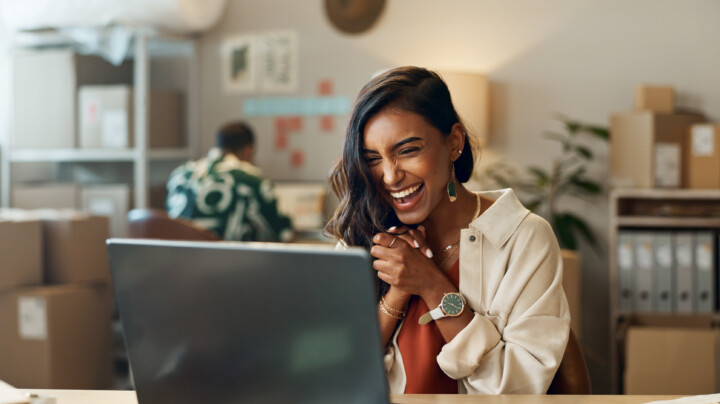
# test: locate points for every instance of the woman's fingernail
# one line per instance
(392, 228)
(417, 245)
(428, 253)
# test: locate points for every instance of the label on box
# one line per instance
(703, 140)
(667, 165)
(32, 317)
(91, 107)
(102, 206)
(114, 128)
(703, 255)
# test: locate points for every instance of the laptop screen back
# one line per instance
(243, 322)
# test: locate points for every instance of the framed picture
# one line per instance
(238, 64)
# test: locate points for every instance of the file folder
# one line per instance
(644, 266)
(684, 257)
(663, 292)
(704, 271)
(626, 264)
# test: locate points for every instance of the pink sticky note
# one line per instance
(295, 123)
(325, 87)
(297, 158)
(281, 140)
(327, 123)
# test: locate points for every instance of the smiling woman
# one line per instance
(470, 298)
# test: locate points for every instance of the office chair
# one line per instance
(572, 376)
(155, 223)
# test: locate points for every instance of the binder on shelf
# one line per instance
(626, 264)
(663, 298)
(644, 268)
(704, 248)
(684, 257)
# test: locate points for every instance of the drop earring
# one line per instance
(452, 192)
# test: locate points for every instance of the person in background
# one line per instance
(226, 194)
(470, 296)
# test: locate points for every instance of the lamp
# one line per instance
(470, 94)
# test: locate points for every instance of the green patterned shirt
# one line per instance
(228, 196)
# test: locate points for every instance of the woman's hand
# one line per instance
(404, 261)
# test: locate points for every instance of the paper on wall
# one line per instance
(279, 61)
(238, 63)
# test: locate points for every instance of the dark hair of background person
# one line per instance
(362, 212)
(235, 136)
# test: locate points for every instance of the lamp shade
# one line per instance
(470, 94)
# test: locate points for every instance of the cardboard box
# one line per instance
(74, 246)
(671, 360)
(572, 284)
(46, 196)
(107, 117)
(21, 252)
(111, 201)
(304, 203)
(44, 100)
(56, 337)
(655, 98)
(648, 149)
(704, 156)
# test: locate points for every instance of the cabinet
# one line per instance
(655, 210)
(139, 158)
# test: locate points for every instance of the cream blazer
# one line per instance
(511, 276)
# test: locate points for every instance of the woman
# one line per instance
(469, 285)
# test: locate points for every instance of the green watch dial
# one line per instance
(453, 304)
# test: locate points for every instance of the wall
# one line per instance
(582, 59)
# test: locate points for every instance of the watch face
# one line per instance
(452, 304)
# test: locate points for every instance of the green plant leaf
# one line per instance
(540, 174)
(599, 131)
(558, 137)
(563, 232)
(588, 186)
(579, 225)
(584, 151)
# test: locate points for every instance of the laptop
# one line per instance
(221, 322)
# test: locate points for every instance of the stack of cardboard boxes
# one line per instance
(55, 300)
(656, 146)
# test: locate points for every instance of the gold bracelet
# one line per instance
(392, 309)
(382, 308)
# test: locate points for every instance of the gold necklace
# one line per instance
(476, 214)
(444, 261)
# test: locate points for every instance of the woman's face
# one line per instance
(409, 159)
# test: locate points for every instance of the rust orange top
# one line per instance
(420, 345)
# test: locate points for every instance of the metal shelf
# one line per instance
(677, 222)
(92, 155)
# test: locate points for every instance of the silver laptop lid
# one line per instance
(213, 322)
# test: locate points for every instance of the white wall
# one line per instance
(582, 59)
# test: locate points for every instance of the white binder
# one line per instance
(704, 248)
(626, 264)
(644, 268)
(684, 263)
(663, 294)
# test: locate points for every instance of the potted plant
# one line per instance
(543, 190)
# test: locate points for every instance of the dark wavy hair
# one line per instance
(362, 211)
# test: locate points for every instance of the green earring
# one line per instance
(452, 192)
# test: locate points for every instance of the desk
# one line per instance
(128, 397)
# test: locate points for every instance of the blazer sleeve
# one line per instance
(520, 351)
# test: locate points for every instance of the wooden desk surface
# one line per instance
(128, 397)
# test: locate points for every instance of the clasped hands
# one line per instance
(404, 261)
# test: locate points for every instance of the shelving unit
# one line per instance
(653, 209)
(141, 155)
